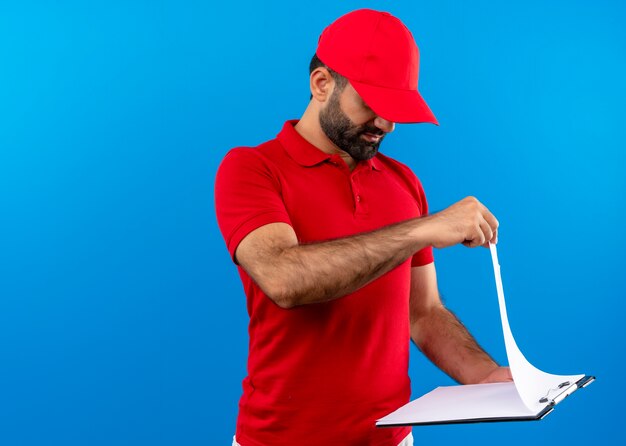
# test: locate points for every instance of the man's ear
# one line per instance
(321, 84)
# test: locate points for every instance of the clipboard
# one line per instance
(474, 403)
(532, 395)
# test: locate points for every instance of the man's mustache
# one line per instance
(373, 130)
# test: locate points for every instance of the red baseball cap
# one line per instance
(378, 55)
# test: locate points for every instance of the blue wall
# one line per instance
(122, 320)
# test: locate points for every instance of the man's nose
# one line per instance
(384, 125)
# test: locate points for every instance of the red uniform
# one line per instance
(321, 374)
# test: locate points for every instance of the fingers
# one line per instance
(493, 240)
(499, 374)
(485, 230)
(468, 222)
(478, 234)
(491, 220)
(490, 232)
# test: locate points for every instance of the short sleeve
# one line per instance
(247, 196)
(425, 255)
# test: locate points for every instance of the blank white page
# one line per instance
(462, 403)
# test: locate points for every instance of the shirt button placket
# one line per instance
(356, 193)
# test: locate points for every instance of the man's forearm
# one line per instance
(319, 272)
(291, 273)
(448, 344)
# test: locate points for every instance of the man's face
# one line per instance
(355, 130)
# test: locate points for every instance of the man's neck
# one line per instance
(309, 128)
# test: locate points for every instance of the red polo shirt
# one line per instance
(321, 374)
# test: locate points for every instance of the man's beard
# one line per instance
(346, 135)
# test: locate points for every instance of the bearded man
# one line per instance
(333, 242)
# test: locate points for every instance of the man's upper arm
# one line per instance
(247, 198)
(424, 292)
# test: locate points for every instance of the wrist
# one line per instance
(422, 232)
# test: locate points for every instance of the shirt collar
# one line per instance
(375, 163)
(305, 153)
(298, 148)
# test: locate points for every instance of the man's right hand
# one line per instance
(468, 222)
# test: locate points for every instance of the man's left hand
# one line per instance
(498, 375)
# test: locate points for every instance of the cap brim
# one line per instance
(402, 106)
